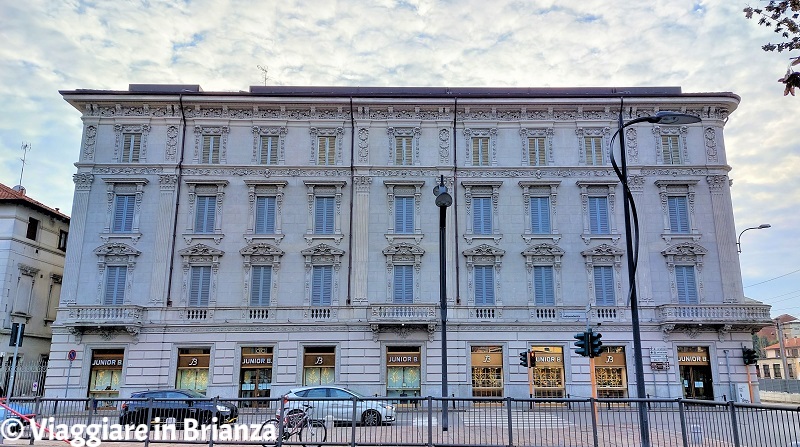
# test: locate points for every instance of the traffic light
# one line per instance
(750, 356)
(524, 359)
(595, 345)
(582, 343)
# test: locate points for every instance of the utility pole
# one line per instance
(783, 348)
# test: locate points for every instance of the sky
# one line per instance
(229, 45)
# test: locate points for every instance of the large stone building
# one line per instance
(33, 244)
(244, 243)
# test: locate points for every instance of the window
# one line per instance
(403, 153)
(540, 215)
(211, 149)
(33, 228)
(604, 285)
(131, 147)
(766, 371)
(537, 155)
(544, 294)
(200, 286)
(115, 285)
(322, 283)
(123, 213)
(598, 215)
(678, 214)
(670, 150)
(776, 369)
(594, 150)
(205, 214)
(62, 240)
(324, 215)
(261, 285)
(480, 151)
(265, 215)
(404, 215)
(326, 146)
(403, 284)
(484, 285)
(268, 150)
(482, 215)
(686, 284)
(326, 150)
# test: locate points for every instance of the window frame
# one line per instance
(685, 254)
(116, 187)
(265, 131)
(486, 256)
(120, 130)
(543, 255)
(589, 132)
(604, 255)
(668, 189)
(337, 134)
(490, 135)
(598, 189)
(316, 256)
(324, 188)
(201, 132)
(484, 190)
(32, 230)
(685, 284)
(403, 253)
(116, 254)
(410, 133)
(547, 146)
(603, 286)
(200, 255)
(256, 190)
(677, 132)
(406, 189)
(260, 254)
(205, 188)
(531, 189)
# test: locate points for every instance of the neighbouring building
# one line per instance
(771, 366)
(245, 243)
(33, 244)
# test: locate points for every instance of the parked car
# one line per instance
(177, 404)
(9, 416)
(329, 401)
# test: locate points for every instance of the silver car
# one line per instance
(329, 403)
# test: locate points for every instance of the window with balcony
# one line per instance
(543, 264)
(260, 285)
(685, 266)
(604, 285)
(483, 277)
(326, 146)
(484, 285)
(482, 199)
(481, 147)
(261, 262)
(592, 143)
(125, 204)
(322, 285)
(130, 145)
(686, 284)
(268, 145)
(403, 263)
(116, 262)
(671, 144)
(603, 265)
(322, 263)
(200, 269)
(403, 284)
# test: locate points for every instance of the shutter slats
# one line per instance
(543, 286)
(678, 214)
(404, 215)
(123, 213)
(322, 285)
(540, 215)
(269, 150)
(206, 214)
(265, 215)
(604, 286)
(324, 215)
(598, 215)
(482, 215)
(261, 285)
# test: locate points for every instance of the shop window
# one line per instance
(319, 366)
(548, 375)
(403, 371)
(487, 371)
(610, 373)
(105, 376)
(256, 375)
(192, 371)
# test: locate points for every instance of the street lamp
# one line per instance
(739, 239)
(443, 201)
(631, 233)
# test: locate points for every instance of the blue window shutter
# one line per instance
(686, 284)
(323, 215)
(123, 213)
(269, 150)
(265, 215)
(403, 284)
(678, 214)
(484, 285)
(598, 215)
(404, 215)
(540, 215)
(206, 214)
(261, 285)
(115, 285)
(543, 286)
(482, 215)
(200, 286)
(322, 285)
(604, 286)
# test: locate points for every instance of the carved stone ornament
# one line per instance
(116, 249)
(543, 250)
(484, 250)
(603, 250)
(261, 250)
(201, 250)
(685, 249)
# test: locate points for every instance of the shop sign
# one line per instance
(693, 358)
(319, 360)
(548, 356)
(193, 360)
(107, 361)
(257, 360)
(480, 359)
(402, 359)
(610, 359)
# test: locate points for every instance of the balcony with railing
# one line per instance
(740, 316)
(403, 313)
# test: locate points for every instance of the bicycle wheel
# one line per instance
(269, 433)
(313, 434)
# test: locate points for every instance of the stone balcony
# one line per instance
(731, 316)
(104, 319)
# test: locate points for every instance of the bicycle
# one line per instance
(310, 432)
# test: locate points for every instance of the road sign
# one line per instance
(72, 355)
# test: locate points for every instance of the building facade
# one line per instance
(242, 244)
(33, 243)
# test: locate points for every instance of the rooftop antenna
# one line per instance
(25, 148)
(265, 71)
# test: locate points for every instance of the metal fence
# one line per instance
(419, 422)
(28, 378)
(780, 385)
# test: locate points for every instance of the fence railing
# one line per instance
(377, 421)
(780, 385)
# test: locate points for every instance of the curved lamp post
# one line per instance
(739, 239)
(631, 236)
(443, 201)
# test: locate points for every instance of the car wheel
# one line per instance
(371, 417)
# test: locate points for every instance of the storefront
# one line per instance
(487, 371)
(105, 375)
(319, 366)
(610, 373)
(403, 371)
(256, 375)
(193, 369)
(548, 374)
(695, 369)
